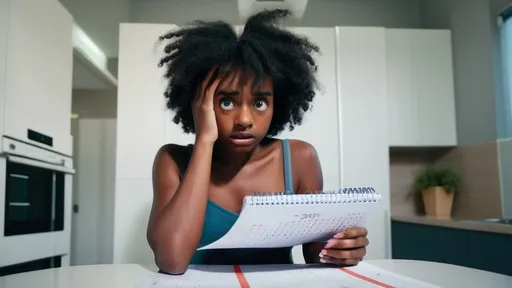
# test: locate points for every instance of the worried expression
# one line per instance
(243, 109)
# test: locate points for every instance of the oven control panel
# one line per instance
(22, 149)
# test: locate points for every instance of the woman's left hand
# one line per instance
(346, 248)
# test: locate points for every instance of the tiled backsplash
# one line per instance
(478, 166)
(403, 164)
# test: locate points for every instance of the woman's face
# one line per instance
(243, 109)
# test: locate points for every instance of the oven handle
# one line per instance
(35, 163)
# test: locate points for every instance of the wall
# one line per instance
(404, 163)
(95, 103)
(470, 22)
(94, 145)
(479, 195)
(387, 13)
(505, 145)
(94, 191)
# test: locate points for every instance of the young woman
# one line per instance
(235, 93)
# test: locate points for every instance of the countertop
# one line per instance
(466, 224)
(131, 275)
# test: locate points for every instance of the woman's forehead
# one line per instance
(242, 77)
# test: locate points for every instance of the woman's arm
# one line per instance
(307, 167)
(178, 210)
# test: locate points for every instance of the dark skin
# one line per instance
(225, 169)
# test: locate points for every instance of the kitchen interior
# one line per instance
(63, 180)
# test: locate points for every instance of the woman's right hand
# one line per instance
(202, 108)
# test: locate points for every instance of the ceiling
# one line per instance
(100, 19)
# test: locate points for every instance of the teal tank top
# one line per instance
(218, 221)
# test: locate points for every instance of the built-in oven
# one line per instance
(34, 197)
(36, 203)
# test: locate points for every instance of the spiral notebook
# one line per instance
(280, 220)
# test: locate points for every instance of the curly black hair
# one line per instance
(263, 47)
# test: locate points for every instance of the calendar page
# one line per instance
(272, 226)
(361, 276)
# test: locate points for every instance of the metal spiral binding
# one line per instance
(345, 195)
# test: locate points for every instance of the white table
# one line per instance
(129, 275)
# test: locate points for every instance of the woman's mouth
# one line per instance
(242, 138)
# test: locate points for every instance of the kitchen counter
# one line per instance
(466, 224)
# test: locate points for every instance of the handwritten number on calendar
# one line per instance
(309, 216)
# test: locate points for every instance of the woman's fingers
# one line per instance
(205, 84)
(210, 92)
(340, 262)
(347, 243)
(345, 254)
(352, 233)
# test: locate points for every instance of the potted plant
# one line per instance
(438, 187)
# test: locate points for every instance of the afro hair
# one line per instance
(263, 47)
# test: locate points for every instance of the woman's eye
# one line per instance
(260, 105)
(227, 104)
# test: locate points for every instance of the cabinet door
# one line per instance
(433, 87)
(402, 105)
(490, 252)
(320, 124)
(143, 122)
(39, 72)
(420, 88)
(361, 72)
(429, 243)
(4, 32)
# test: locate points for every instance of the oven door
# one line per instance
(35, 204)
(34, 197)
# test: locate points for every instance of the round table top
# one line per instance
(130, 275)
(444, 275)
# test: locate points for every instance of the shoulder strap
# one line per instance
(287, 163)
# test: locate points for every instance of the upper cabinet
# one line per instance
(420, 88)
(38, 73)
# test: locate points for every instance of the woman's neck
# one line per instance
(228, 158)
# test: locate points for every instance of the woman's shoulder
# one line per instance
(171, 149)
(307, 170)
(302, 151)
(179, 154)
(299, 149)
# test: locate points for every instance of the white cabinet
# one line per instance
(420, 88)
(141, 111)
(38, 71)
(361, 72)
(320, 124)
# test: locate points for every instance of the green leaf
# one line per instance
(437, 177)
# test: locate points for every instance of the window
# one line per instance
(505, 105)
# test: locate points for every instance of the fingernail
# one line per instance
(339, 235)
(320, 255)
(323, 252)
(330, 243)
(322, 260)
